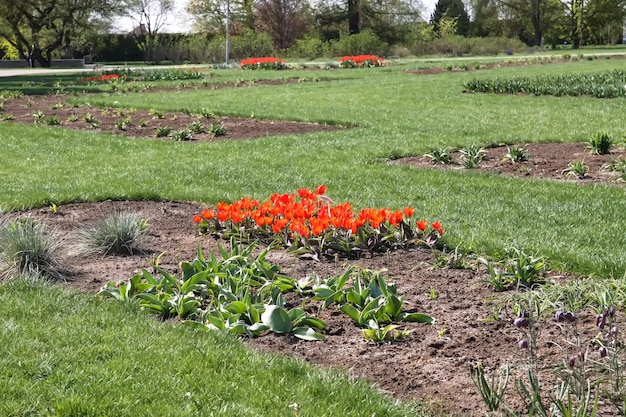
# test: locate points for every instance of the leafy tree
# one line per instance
(149, 17)
(283, 20)
(39, 28)
(486, 21)
(451, 9)
(605, 20)
(584, 17)
(210, 15)
(391, 20)
(538, 15)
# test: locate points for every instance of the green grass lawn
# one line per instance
(579, 228)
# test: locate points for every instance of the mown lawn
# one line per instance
(70, 354)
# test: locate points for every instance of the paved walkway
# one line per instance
(10, 72)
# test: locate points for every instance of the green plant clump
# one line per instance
(28, 248)
(600, 143)
(117, 233)
(516, 154)
(440, 155)
(608, 84)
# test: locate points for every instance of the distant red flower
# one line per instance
(436, 225)
(197, 219)
(408, 211)
(422, 225)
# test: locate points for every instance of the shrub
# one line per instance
(249, 44)
(366, 42)
(117, 233)
(310, 48)
(27, 248)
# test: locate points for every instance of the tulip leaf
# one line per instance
(276, 319)
(237, 307)
(417, 318)
(306, 333)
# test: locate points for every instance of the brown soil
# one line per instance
(47, 109)
(431, 364)
(545, 160)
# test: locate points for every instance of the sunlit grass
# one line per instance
(397, 114)
(68, 354)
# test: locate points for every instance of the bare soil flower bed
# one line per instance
(144, 123)
(546, 160)
(431, 364)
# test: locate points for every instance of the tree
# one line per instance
(283, 20)
(210, 15)
(605, 20)
(390, 20)
(584, 17)
(38, 28)
(540, 15)
(485, 19)
(149, 18)
(451, 9)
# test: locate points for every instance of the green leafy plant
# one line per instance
(388, 333)
(217, 128)
(39, 116)
(516, 154)
(182, 135)
(117, 233)
(89, 118)
(600, 143)
(51, 121)
(28, 248)
(615, 165)
(518, 270)
(372, 298)
(440, 155)
(472, 156)
(123, 124)
(239, 294)
(72, 118)
(163, 131)
(207, 113)
(607, 84)
(196, 127)
(492, 391)
(142, 123)
(577, 169)
(156, 114)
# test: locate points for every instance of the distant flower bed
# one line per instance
(267, 63)
(361, 61)
(105, 78)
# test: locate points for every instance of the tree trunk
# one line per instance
(354, 18)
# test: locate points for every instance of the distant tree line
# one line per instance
(39, 30)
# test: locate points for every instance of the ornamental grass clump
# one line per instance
(118, 233)
(312, 225)
(28, 248)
